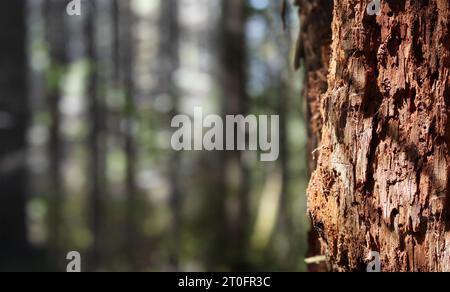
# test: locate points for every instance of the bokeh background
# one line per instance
(86, 163)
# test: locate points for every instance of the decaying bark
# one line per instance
(382, 179)
(314, 50)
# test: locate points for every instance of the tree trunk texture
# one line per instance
(382, 178)
(314, 50)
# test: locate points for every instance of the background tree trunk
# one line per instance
(14, 246)
(235, 102)
(169, 56)
(382, 181)
(125, 28)
(56, 36)
(96, 141)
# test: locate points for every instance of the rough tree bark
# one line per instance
(313, 49)
(382, 180)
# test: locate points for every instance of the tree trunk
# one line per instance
(56, 38)
(124, 71)
(169, 56)
(314, 49)
(382, 181)
(236, 102)
(14, 246)
(96, 143)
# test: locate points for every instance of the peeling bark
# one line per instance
(382, 179)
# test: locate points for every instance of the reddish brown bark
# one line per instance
(382, 181)
(313, 49)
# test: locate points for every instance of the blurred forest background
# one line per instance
(85, 157)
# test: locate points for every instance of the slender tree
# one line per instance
(123, 58)
(281, 79)
(236, 102)
(14, 118)
(170, 63)
(96, 146)
(56, 38)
